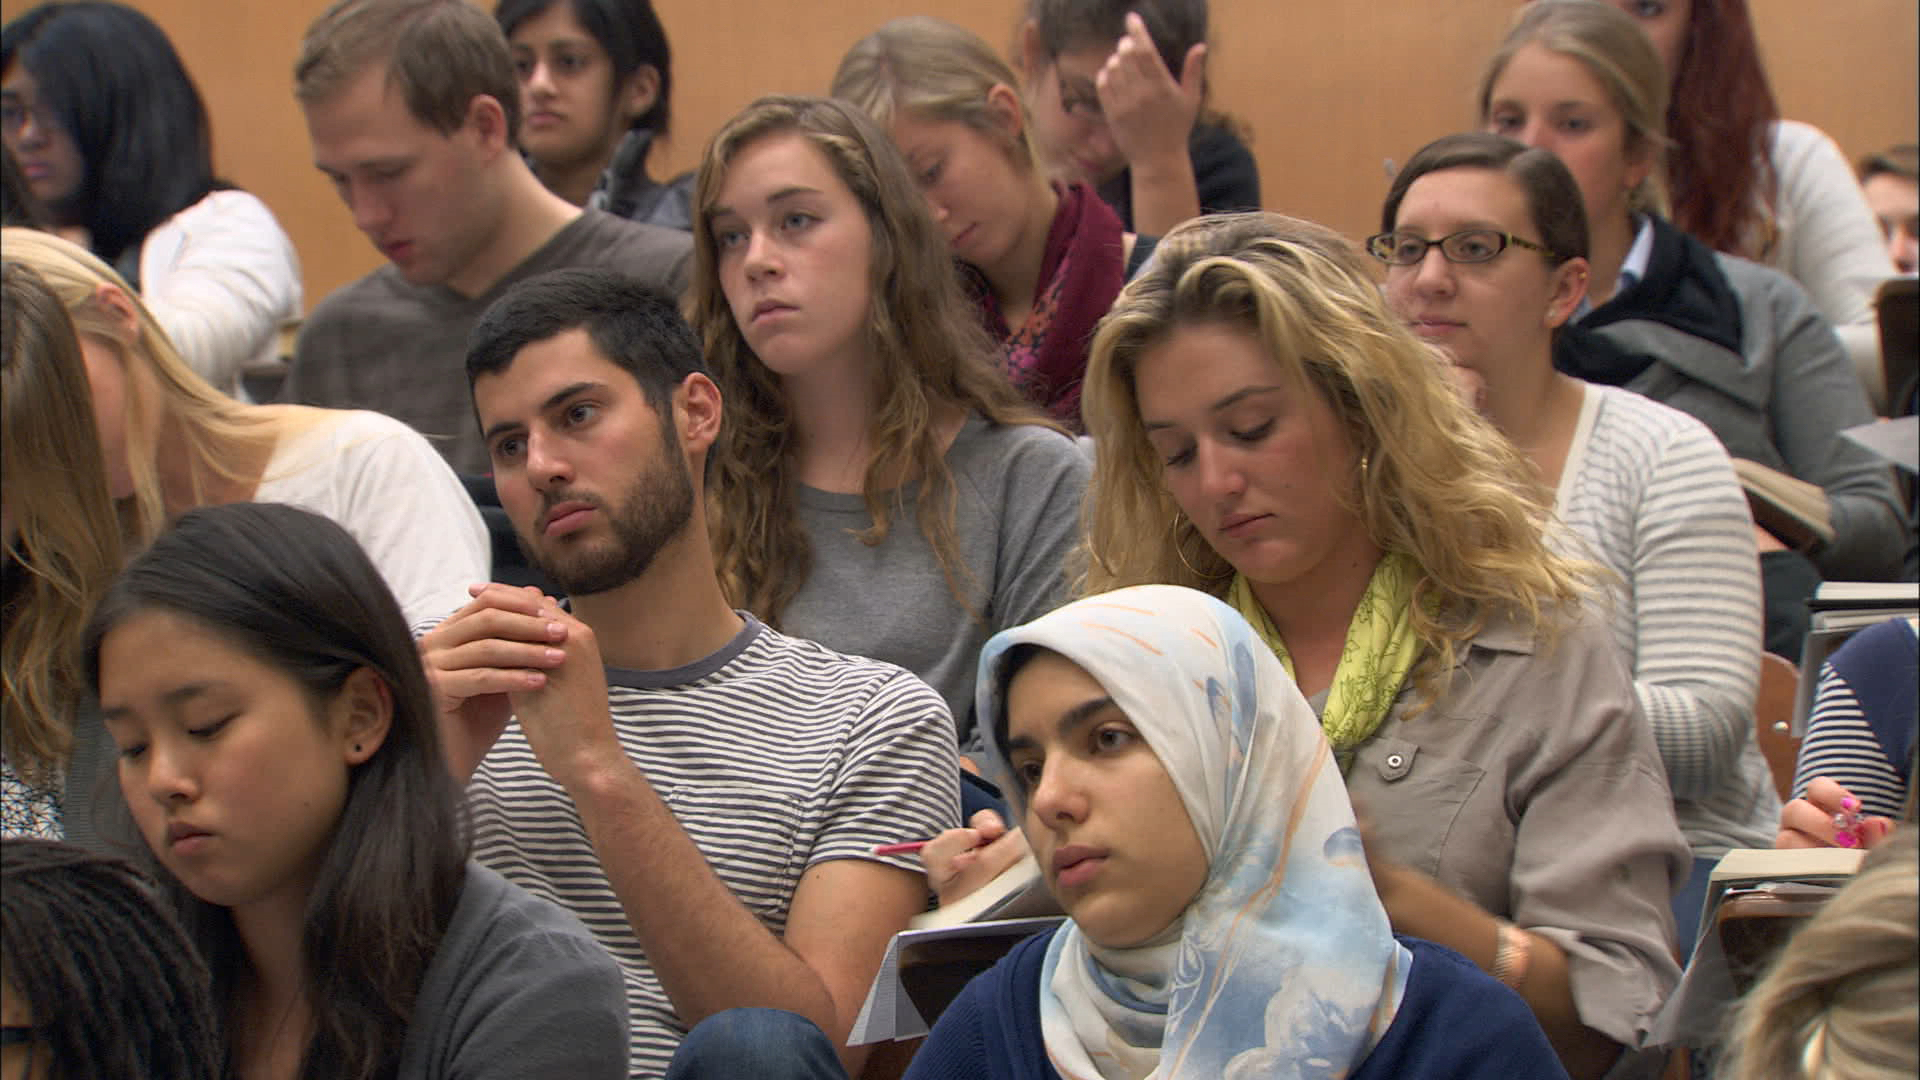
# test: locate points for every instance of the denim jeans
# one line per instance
(756, 1044)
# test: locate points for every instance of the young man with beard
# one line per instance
(704, 792)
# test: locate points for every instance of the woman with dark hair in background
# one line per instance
(1118, 90)
(1746, 182)
(279, 754)
(596, 84)
(113, 137)
(99, 974)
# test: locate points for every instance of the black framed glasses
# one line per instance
(1465, 246)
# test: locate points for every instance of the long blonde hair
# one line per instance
(68, 544)
(933, 69)
(1437, 481)
(1839, 1002)
(1613, 48)
(929, 348)
(162, 390)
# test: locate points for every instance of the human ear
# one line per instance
(696, 412)
(487, 119)
(361, 713)
(1569, 286)
(642, 89)
(119, 309)
(1003, 104)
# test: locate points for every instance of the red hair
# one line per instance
(1720, 119)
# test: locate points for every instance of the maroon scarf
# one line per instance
(1080, 274)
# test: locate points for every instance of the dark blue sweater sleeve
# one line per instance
(991, 1031)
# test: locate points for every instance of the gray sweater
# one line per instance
(518, 988)
(1016, 518)
(1781, 400)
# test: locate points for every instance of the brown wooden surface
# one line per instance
(1330, 90)
(1773, 719)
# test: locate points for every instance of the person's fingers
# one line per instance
(940, 853)
(492, 622)
(463, 683)
(1829, 795)
(1193, 72)
(1804, 818)
(987, 823)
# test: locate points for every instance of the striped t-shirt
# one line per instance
(774, 754)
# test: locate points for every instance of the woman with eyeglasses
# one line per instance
(1118, 90)
(113, 138)
(1737, 345)
(1485, 246)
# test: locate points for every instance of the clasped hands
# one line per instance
(517, 652)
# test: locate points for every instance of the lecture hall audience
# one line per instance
(1419, 598)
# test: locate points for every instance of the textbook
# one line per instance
(1790, 508)
(924, 969)
(1018, 892)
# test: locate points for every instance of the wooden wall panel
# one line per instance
(1331, 91)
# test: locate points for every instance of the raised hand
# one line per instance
(1148, 112)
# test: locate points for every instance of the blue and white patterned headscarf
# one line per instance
(1284, 964)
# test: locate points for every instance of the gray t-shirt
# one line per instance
(518, 987)
(1018, 489)
(381, 343)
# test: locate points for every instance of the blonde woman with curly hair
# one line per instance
(1043, 259)
(166, 442)
(1842, 1000)
(1270, 433)
(879, 487)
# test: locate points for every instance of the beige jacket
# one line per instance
(1534, 788)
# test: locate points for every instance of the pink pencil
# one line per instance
(900, 849)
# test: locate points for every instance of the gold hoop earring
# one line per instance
(1182, 555)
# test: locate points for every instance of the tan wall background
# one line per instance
(1330, 90)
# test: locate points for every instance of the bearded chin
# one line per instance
(654, 511)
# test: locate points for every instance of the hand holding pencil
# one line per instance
(959, 861)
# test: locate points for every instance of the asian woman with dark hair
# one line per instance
(279, 757)
(596, 83)
(113, 137)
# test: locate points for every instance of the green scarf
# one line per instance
(1381, 649)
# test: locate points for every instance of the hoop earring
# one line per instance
(1182, 555)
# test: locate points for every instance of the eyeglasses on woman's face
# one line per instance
(1402, 248)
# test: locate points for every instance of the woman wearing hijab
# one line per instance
(1188, 814)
